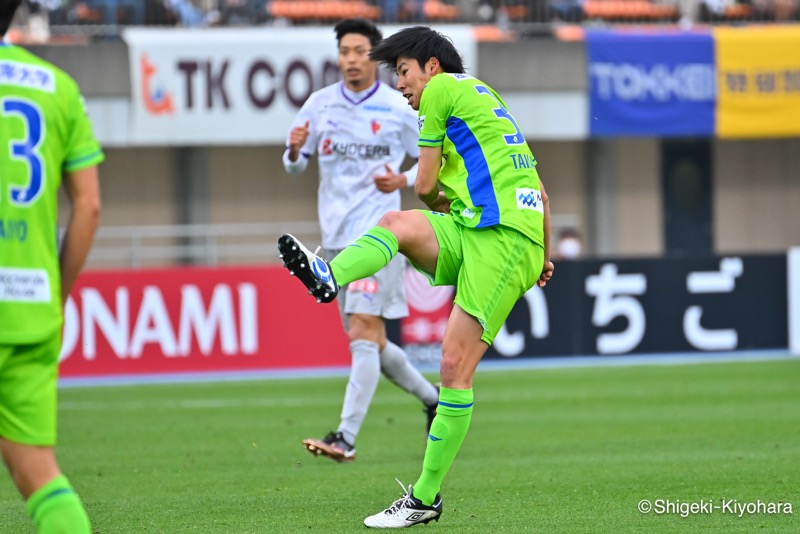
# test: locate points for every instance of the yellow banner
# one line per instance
(758, 83)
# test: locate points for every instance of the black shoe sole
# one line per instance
(436, 518)
(297, 264)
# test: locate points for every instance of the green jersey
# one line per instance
(488, 172)
(44, 132)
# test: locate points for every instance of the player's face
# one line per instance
(411, 80)
(358, 71)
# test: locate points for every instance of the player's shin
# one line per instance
(368, 255)
(446, 436)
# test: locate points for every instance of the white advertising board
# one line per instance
(234, 86)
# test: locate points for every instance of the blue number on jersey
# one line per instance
(25, 149)
(502, 113)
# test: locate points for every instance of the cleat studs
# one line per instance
(319, 301)
(302, 265)
(310, 292)
(291, 272)
(294, 247)
(319, 286)
(327, 295)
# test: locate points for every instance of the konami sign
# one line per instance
(203, 323)
(196, 319)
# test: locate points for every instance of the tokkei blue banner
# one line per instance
(642, 84)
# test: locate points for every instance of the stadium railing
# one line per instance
(212, 244)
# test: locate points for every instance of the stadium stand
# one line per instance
(493, 19)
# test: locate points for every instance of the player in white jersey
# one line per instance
(362, 131)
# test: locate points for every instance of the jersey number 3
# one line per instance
(502, 113)
(25, 149)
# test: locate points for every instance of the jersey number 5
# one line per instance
(502, 113)
(25, 149)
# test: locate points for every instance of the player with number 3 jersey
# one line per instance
(46, 141)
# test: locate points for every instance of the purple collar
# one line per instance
(370, 92)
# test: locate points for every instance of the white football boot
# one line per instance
(406, 512)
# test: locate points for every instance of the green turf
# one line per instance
(553, 450)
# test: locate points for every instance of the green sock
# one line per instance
(368, 255)
(447, 434)
(56, 509)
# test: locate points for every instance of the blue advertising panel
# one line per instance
(651, 84)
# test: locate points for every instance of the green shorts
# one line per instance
(28, 376)
(491, 268)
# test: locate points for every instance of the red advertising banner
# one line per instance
(190, 320)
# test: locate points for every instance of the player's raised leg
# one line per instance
(408, 232)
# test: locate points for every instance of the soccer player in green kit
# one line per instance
(45, 138)
(487, 233)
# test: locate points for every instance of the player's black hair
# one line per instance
(7, 9)
(360, 26)
(420, 43)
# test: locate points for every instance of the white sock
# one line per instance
(397, 368)
(365, 372)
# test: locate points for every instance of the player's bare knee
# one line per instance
(365, 328)
(392, 221)
(404, 225)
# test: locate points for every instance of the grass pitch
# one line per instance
(549, 450)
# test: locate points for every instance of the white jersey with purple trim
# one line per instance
(355, 134)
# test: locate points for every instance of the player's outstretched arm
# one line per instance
(547, 267)
(83, 191)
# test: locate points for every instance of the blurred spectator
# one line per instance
(39, 26)
(785, 9)
(566, 10)
(402, 10)
(688, 10)
(242, 12)
(34, 16)
(569, 245)
(115, 12)
(187, 13)
(158, 14)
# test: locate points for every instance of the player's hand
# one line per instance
(547, 272)
(297, 138)
(391, 181)
(441, 204)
